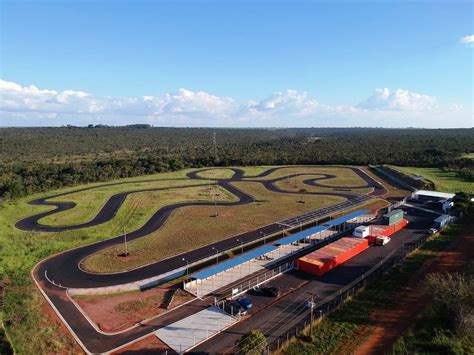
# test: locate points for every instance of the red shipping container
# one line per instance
(325, 259)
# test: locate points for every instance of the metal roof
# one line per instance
(345, 218)
(434, 194)
(229, 264)
(233, 262)
(300, 235)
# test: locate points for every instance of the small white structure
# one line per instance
(434, 194)
(361, 231)
(381, 240)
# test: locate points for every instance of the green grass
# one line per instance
(216, 174)
(446, 181)
(344, 176)
(468, 155)
(339, 331)
(90, 202)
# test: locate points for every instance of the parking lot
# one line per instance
(273, 316)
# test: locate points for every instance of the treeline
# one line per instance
(40, 159)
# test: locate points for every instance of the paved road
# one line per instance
(64, 268)
(278, 318)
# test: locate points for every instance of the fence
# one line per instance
(301, 317)
(256, 280)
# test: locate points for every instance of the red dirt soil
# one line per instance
(390, 324)
(118, 312)
(148, 345)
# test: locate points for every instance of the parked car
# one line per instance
(245, 302)
(268, 291)
(234, 308)
(433, 231)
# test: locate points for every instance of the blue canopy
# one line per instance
(233, 262)
(300, 235)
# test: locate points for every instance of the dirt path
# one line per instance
(389, 324)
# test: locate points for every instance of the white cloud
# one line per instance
(399, 100)
(468, 40)
(30, 106)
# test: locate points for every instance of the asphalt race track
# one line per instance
(64, 268)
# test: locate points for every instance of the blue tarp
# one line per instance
(300, 235)
(345, 218)
(229, 264)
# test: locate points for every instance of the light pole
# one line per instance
(217, 254)
(241, 246)
(187, 267)
(264, 237)
(125, 241)
(215, 205)
(311, 306)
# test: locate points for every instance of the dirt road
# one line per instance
(389, 324)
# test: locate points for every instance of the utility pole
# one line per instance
(215, 205)
(217, 254)
(187, 266)
(125, 241)
(312, 317)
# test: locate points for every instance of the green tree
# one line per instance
(254, 342)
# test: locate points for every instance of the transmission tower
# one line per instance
(214, 141)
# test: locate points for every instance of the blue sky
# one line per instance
(332, 55)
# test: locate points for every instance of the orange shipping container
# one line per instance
(321, 261)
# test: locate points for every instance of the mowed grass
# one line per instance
(89, 203)
(296, 185)
(446, 181)
(344, 176)
(192, 227)
(216, 174)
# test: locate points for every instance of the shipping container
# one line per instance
(392, 217)
(387, 231)
(361, 231)
(328, 257)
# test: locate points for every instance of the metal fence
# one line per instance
(301, 318)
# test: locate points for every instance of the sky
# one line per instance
(237, 63)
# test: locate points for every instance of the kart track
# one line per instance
(60, 272)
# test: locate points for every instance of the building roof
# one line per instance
(345, 218)
(300, 235)
(434, 194)
(229, 264)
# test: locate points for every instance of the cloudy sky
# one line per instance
(237, 63)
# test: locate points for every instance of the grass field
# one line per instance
(191, 227)
(26, 311)
(89, 203)
(216, 174)
(444, 180)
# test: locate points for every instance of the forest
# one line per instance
(40, 159)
